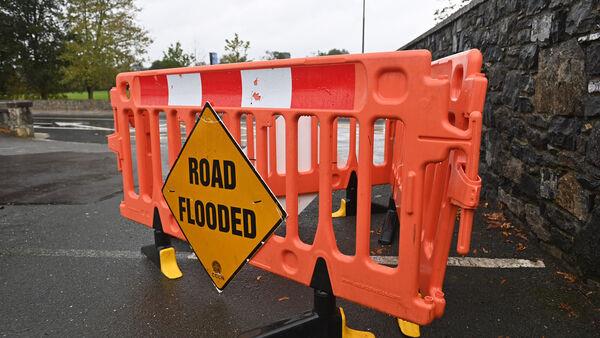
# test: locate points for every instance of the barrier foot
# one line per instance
(409, 329)
(341, 212)
(390, 225)
(348, 204)
(325, 320)
(161, 253)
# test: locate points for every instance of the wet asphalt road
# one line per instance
(70, 264)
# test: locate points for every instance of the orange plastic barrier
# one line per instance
(432, 115)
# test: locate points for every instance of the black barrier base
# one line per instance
(390, 224)
(162, 253)
(351, 189)
(324, 320)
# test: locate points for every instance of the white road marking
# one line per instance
(467, 262)
(475, 262)
(72, 126)
(73, 118)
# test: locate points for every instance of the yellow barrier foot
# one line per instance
(409, 329)
(352, 333)
(168, 263)
(161, 253)
(341, 212)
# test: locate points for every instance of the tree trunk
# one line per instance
(90, 92)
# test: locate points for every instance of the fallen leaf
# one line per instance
(474, 251)
(485, 250)
(568, 309)
(522, 236)
(258, 278)
(283, 298)
(569, 277)
(502, 280)
(521, 247)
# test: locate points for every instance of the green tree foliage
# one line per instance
(236, 50)
(104, 40)
(174, 57)
(31, 40)
(333, 51)
(275, 55)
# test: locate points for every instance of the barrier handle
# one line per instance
(472, 166)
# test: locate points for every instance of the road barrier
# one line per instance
(294, 107)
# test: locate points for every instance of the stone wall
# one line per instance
(71, 105)
(15, 118)
(541, 145)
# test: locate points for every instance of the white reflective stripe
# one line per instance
(185, 89)
(267, 88)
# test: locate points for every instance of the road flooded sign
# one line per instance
(224, 208)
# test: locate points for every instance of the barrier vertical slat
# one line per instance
(352, 144)
(272, 158)
(334, 144)
(156, 153)
(123, 117)
(250, 138)
(141, 153)
(324, 235)
(314, 135)
(410, 221)
(173, 136)
(261, 145)
(236, 125)
(291, 173)
(363, 214)
(188, 118)
(389, 142)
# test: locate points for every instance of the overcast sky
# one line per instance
(301, 27)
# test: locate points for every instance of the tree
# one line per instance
(104, 40)
(449, 7)
(333, 51)
(274, 55)
(32, 40)
(174, 57)
(236, 50)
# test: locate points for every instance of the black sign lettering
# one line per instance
(235, 221)
(229, 173)
(199, 208)
(211, 216)
(223, 212)
(193, 166)
(204, 172)
(181, 201)
(217, 180)
(249, 223)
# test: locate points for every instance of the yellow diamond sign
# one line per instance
(222, 205)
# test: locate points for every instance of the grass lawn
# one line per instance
(98, 95)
